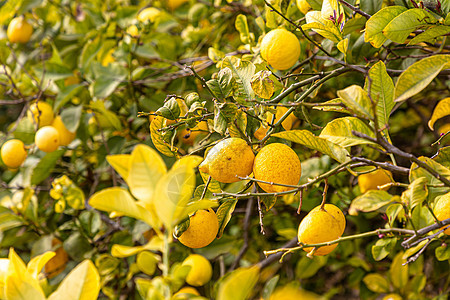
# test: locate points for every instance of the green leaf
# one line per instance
(158, 139)
(376, 24)
(146, 168)
(77, 246)
(370, 6)
(333, 105)
(224, 114)
(421, 216)
(419, 75)
(416, 172)
(323, 26)
(223, 84)
(269, 201)
(354, 24)
(308, 267)
(376, 283)
(262, 85)
(214, 186)
(269, 287)
(340, 132)
(71, 117)
(66, 94)
(442, 253)
(383, 247)
(107, 79)
(242, 26)
(242, 72)
(356, 100)
(404, 24)
(430, 34)
(343, 46)
(82, 283)
(441, 110)
(8, 220)
(306, 138)
(8, 9)
(224, 213)
(155, 244)
(45, 166)
(238, 285)
(103, 115)
(89, 53)
(416, 193)
(371, 201)
(52, 71)
(399, 272)
(392, 212)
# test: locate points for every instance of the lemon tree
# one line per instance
(252, 149)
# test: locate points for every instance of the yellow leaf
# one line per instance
(158, 140)
(36, 264)
(441, 110)
(146, 167)
(189, 161)
(4, 264)
(146, 262)
(239, 284)
(120, 163)
(329, 8)
(155, 244)
(119, 200)
(343, 46)
(82, 283)
(19, 284)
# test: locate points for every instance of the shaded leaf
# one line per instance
(371, 201)
(416, 193)
(376, 283)
(262, 85)
(242, 73)
(441, 110)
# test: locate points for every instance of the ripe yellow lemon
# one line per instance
(189, 136)
(228, 159)
(19, 30)
(202, 230)
(303, 6)
(280, 48)
(174, 4)
(65, 136)
(286, 124)
(41, 113)
(148, 14)
(13, 153)
(47, 139)
(277, 163)
(320, 226)
(372, 180)
(200, 272)
(183, 293)
(289, 292)
(337, 215)
(442, 210)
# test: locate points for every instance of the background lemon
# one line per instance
(319, 226)
(303, 6)
(392, 297)
(202, 230)
(200, 272)
(65, 136)
(148, 14)
(228, 159)
(280, 48)
(184, 292)
(47, 139)
(189, 136)
(277, 163)
(286, 124)
(41, 113)
(372, 180)
(174, 4)
(19, 30)
(133, 31)
(336, 213)
(289, 292)
(442, 210)
(13, 153)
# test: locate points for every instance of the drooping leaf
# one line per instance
(9, 9)
(430, 34)
(36, 264)
(393, 211)
(104, 116)
(371, 201)
(419, 75)
(224, 213)
(71, 117)
(155, 244)
(441, 110)
(308, 267)
(416, 193)
(376, 24)
(442, 253)
(306, 138)
(82, 283)
(238, 284)
(356, 100)
(158, 139)
(339, 131)
(223, 84)
(8, 219)
(242, 26)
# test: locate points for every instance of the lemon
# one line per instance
(13, 153)
(47, 139)
(133, 31)
(289, 292)
(303, 6)
(58, 262)
(189, 136)
(19, 30)
(148, 14)
(442, 210)
(372, 180)
(174, 4)
(200, 272)
(277, 163)
(183, 293)
(392, 297)
(286, 124)
(228, 159)
(280, 48)
(41, 113)
(202, 230)
(336, 213)
(65, 136)
(320, 226)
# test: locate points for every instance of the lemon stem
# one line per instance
(324, 195)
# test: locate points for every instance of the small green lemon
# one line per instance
(442, 210)
(47, 139)
(19, 30)
(280, 48)
(202, 230)
(372, 180)
(200, 272)
(277, 163)
(65, 136)
(13, 153)
(41, 113)
(229, 159)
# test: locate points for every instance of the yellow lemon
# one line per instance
(58, 262)
(65, 136)
(41, 113)
(320, 226)
(202, 230)
(303, 6)
(13, 153)
(229, 159)
(148, 14)
(289, 292)
(392, 297)
(183, 293)
(174, 4)
(372, 180)
(47, 139)
(19, 30)
(337, 215)
(189, 136)
(280, 48)
(277, 163)
(286, 124)
(200, 272)
(442, 210)
(133, 31)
